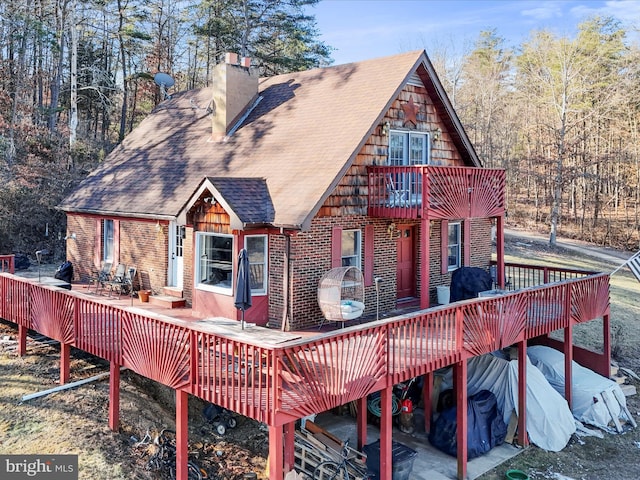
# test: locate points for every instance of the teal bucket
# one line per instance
(516, 475)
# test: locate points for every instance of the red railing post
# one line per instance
(568, 345)
(65, 357)
(460, 387)
(182, 435)
(114, 396)
(522, 393)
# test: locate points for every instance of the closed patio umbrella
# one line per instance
(243, 286)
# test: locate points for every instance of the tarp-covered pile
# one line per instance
(550, 423)
(588, 387)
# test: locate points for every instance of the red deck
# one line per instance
(279, 380)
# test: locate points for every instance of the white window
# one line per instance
(408, 148)
(455, 248)
(351, 241)
(214, 270)
(107, 240)
(256, 246)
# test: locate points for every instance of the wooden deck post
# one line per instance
(386, 426)
(22, 340)
(500, 250)
(361, 422)
(523, 437)
(425, 238)
(427, 393)
(568, 362)
(182, 435)
(604, 367)
(114, 396)
(460, 386)
(65, 354)
(275, 452)
(289, 446)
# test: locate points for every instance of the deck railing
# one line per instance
(519, 276)
(434, 192)
(277, 384)
(7, 263)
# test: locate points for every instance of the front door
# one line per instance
(406, 271)
(177, 255)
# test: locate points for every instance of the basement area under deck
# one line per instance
(279, 377)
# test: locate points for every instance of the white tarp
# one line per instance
(587, 386)
(549, 420)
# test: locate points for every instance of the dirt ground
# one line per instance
(74, 421)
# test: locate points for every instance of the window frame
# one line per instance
(108, 240)
(457, 246)
(216, 288)
(358, 249)
(265, 263)
(408, 135)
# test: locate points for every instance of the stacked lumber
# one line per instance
(621, 376)
(314, 445)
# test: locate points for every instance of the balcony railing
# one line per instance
(436, 192)
(276, 384)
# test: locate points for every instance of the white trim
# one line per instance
(226, 290)
(358, 254)
(265, 271)
(451, 268)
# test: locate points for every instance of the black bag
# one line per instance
(485, 427)
(64, 272)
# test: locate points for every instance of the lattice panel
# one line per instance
(590, 298)
(487, 193)
(156, 349)
(99, 330)
(52, 313)
(494, 324)
(448, 192)
(423, 345)
(17, 301)
(547, 310)
(328, 373)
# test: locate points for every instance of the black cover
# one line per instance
(21, 261)
(64, 272)
(485, 427)
(402, 458)
(467, 282)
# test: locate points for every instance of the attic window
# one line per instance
(408, 148)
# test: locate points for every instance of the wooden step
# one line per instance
(167, 301)
(172, 292)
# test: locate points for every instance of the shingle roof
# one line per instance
(300, 139)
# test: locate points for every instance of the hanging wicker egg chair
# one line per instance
(341, 294)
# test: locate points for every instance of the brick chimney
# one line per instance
(234, 90)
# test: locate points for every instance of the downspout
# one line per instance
(285, 281)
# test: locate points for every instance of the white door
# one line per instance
(176, 255)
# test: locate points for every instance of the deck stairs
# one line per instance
(171, 297)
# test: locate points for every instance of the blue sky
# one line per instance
(363, 29)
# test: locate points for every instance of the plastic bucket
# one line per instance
(516, 475)
(443, 295)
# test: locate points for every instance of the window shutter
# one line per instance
(336, 247)
(368, 255)
(97, 246)
(444, 246)
(466, 225)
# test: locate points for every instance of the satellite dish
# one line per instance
(164, 81)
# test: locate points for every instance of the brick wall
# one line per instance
(142, 244)
(311, 258)
(481, 251)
